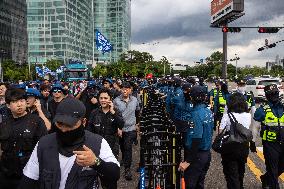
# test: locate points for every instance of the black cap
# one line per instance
(186, 86)
(70, 111)
(197, 90)
(126, 85)
(271, 88)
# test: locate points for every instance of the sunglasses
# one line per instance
(57, 91)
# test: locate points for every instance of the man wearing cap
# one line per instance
(34, 106)
(89, 97)
(72, 157)
(128, 105)
(269, 118)
(107, 83)
(18, 136)
(57, 97)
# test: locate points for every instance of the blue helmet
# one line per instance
(33, 92)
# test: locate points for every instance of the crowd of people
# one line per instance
(57, 134)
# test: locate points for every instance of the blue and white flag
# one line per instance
(39, 71)
(102, 43)
(46, 71)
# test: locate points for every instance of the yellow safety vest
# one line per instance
(270, 125)
(222, 102)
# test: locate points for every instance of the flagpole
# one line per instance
(93, 24)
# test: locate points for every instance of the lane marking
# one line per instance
(261, 156)
(254, 169)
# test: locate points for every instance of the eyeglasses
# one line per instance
(57, 91)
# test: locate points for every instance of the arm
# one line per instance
(42, 115)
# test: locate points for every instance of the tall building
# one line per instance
(113, 20)
(60, 29)
(13, 30)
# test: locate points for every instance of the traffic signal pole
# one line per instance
(225, 54)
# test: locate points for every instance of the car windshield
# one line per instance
(268, 82)
(76, 74)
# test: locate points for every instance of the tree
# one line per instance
(53, 65)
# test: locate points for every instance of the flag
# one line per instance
(102, 43)
(46, 71)
(39, 71)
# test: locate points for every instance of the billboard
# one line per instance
(222, 8)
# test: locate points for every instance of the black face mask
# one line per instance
(70, 140)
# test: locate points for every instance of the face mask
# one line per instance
(70, 140)
(242, 89)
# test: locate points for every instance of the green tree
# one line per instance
(53, 64)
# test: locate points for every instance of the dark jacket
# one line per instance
(18, 137)
(105, 123)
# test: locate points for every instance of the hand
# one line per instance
(252, 147)
(85, 158)
(183, 166)
(119, 132)
(111, 107)
(37, 104)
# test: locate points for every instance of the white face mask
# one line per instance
(242, 89)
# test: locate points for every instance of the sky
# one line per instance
(180, 30)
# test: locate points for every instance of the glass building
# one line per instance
(60, 29)
(13, 30)
(113, 19)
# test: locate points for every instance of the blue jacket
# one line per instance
(203, 127)
(170, 94)
(182, 108)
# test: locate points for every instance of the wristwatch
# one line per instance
(97, 162)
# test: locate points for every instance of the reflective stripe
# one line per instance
(222, 102)
(269, 122)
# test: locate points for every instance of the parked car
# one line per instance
(257, 85)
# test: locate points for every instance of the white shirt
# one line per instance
(31, 170)
(243, 118)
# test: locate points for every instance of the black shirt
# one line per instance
(18, 137)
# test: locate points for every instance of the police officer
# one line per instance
(270, 118)
(248, 96)
(213, 93)
(18, 136)
(220, 103)
(198, 144)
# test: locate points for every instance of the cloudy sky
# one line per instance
(179, 30)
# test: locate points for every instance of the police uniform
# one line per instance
(198, 144)
(271, 117)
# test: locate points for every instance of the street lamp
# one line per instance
(236, 59)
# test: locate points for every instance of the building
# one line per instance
(278, 62)
(13, 30)
(113, 20)
(60, 30)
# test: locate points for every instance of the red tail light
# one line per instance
(260, 87)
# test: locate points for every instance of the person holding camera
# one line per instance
(89, 97)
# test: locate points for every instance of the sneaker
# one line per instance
(127, 174)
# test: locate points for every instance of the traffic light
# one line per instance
(272, 45)
(231, 29)
(268, 30)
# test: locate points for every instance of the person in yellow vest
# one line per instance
(212, 94)
(248, 96)
(269, 118)
(220, 102)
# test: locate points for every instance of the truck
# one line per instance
(75, 71)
